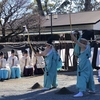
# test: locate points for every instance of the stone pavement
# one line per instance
(20, 89)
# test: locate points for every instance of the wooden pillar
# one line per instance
(66, 56)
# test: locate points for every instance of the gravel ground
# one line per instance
(20, 89)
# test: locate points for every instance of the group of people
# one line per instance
(15, 68)
(82, 51)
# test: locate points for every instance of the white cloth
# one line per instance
(62, 55)
(4, 62)
(5, 66)
(19, 52)
(29, 63)
(28, 67)
(70, 59)
(92, 51)
(99, 72)
(9, 53)
(16, 61)
(28, 50)
(40, 62)
(98, 58)
(33, 58)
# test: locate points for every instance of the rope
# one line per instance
(70, 20)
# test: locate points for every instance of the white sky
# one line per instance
(62, 0)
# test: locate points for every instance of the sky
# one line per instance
(62, 0)
(51, 0)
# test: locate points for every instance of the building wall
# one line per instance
(96, 26)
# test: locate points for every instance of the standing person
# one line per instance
(39, 64)
(26, 65)
(84, 69)
(14, 65)
(3, 68)
(50, 74)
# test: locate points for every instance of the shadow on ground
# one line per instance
(51, 95)
(73, 73)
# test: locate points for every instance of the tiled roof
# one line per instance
(80, 18)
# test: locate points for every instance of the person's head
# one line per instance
(1, 55)
(12, 52)
(49, 43)
(25, 53)
(37, 50)
(83, 41)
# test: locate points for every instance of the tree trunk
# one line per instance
(3, 34)
(46, 8)
(88, 5)
(3, 31)
(40, 7)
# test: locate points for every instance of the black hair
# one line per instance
(1, 53)
(25, 52)
(12, 51)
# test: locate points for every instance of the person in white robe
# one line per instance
(38, 63)
(14, 65)
(98, 60)
(26, 65)
(3, 68)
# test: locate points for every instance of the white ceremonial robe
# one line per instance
(62, 55)
(70, 59)
(40, 62)
(98, 62)
(29, 63)
(16, 62)
(92, 51)
(98, 58)
(14, 66)
(5, 70)
(33, 58)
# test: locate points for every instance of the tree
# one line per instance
(40, 10)
(10, 12)
(57, 6)
(28, 19)
(47, 7)
(14, 14)
(85, 5)
(63, 7)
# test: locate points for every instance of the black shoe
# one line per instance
(6, 79)
(91, 92)
(2, 80)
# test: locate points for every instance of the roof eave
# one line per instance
(72, 25)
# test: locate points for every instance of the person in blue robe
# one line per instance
(50, 73)
(84, 68)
